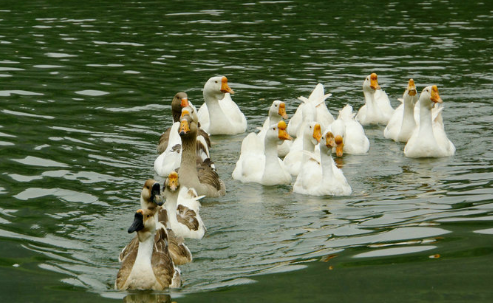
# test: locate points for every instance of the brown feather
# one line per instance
(163, 267)
(128, 256)
(187, 217)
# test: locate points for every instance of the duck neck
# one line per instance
(326, 163)
(370, 102)
(425, 123)
(146, 241)
(308, 146)
(188, 158)
(408, 115)
(216, 114)
(271, 157)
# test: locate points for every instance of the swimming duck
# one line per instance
(310, 137)
(377, 108)
(277, 112)
(319, 176)
(402, 123)
(323, 116)
(182, 207)
(149, 265)
(429, 140)
(354, 140)
(259, 161)
(150, 198)
(220, 115)
(170, 159)
(199, 175)
(180, 100)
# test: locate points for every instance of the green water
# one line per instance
(85, 91)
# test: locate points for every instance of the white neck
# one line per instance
(371, 108)
(217, 118)
(425, 123)
(271, 158)
(326, 163)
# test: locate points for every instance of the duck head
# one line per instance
(151, 194)
(180, 100)
(144, 223)
(278, 108)
(217, 86)
(172, 182)
(371, 83)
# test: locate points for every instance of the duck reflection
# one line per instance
(147, 297)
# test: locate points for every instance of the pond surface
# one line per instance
(85, 92)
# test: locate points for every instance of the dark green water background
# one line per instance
(85, 90)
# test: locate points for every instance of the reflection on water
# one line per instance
(86, 93)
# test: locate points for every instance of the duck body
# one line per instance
(377, 108)
(402, 123)
(319, 176)
(220, 115)
(429, 141)
(355, 140)
(259, 162)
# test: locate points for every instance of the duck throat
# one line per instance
(371, 106)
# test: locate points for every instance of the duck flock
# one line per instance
(299, 152)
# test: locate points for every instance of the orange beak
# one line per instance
(282, 110)
(225, 87)
(374, 81)
(184, 127)
(329, 140)
(184, 113)
(317, 132)
(435, 97)
(173, 180)
(340, 145)
(184, 102)
(282, 133)
(411, 88)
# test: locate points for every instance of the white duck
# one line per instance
(323, 116)
(377, 108)
(429, 140)
(220, 115)
(319, 176)
(170, 159)
(149, 265)
(402, 123)
(182, 209)
(277, 112)
(355, 141)
(259, 162)
(310, 137)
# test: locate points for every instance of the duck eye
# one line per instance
(215, 81)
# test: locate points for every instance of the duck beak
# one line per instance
(411, 88)
(138, 223)
(173, 181)
(184, 127)
(184, 112)
(317, 132)
(282, 111)
(374, 81)
(329, 140)
(156, 194)
(282, 133)
(225, 87)
(184, 102)
(340, 146)
(435, 97)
